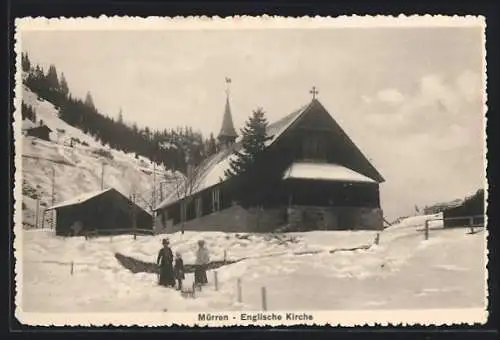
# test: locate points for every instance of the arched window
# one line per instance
(199, 207)
(216, 200)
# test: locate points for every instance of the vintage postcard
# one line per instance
(258, 171)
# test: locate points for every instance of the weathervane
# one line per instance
(314, 92)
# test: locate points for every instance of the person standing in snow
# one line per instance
(202, 260)
(164, 262)
(179, 270)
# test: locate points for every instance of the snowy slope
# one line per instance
(77, 169)
(403, 271)
(46, 112)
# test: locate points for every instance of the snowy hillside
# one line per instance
(321, 270)
(76, 161)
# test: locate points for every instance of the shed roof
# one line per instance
(80, 199)
(28, 124)
(90, 195)
(39, 127)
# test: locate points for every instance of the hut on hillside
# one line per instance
(41, 131)
(471, 210)
(104, 211)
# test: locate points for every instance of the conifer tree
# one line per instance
(52, 79)
(25, 62)
(89, 102)
(212, 145)
(64, 86)
(120, 116)
(254, 138)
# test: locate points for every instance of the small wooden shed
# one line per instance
(101, 211)
(41, 131)
(471, 210)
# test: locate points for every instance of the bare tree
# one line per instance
(185, 186)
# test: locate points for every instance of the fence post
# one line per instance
(377, 239)
(216, 282)
(194, 289)
(225, 256)
(426, 229)
(264, 299)
(471, 224)
(43, 218)
(238, 287)
(72, 265)
(135, 236)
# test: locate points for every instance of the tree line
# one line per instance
(27, 112)
(174, 148)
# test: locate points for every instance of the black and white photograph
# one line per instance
(250, 171)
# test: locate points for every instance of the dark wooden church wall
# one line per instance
(339, 148)
(342, 194)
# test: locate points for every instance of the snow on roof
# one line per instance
(27, 124)
(327, 172)
(214, 168)
(79, 199)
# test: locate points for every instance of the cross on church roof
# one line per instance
(314, 92)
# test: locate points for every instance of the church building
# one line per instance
(310, 176)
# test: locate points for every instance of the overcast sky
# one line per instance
(410, 98)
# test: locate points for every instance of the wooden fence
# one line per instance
(470, 223)
(117, 232)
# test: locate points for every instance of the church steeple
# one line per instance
(227, 134)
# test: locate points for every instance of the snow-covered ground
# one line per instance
(403, 272)
(77, 169)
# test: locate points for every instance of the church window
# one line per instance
(313, 148)
(216, 199)
(199, 206)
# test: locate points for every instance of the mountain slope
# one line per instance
(73, 163)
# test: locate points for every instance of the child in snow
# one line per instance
(202, 260)
(179, 270)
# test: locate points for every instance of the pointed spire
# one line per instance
(227, 134)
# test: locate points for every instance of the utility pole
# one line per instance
(53, 200)
(154, 185)
(102, 176)
(53, 186)
(134, 219)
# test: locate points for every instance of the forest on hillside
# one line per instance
(175, 148)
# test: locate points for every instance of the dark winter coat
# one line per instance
(165, 258)
(179, 269)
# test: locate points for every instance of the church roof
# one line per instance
(227, 129)
(324, 171)
(212, 170)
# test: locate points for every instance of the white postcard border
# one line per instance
(346, 318)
